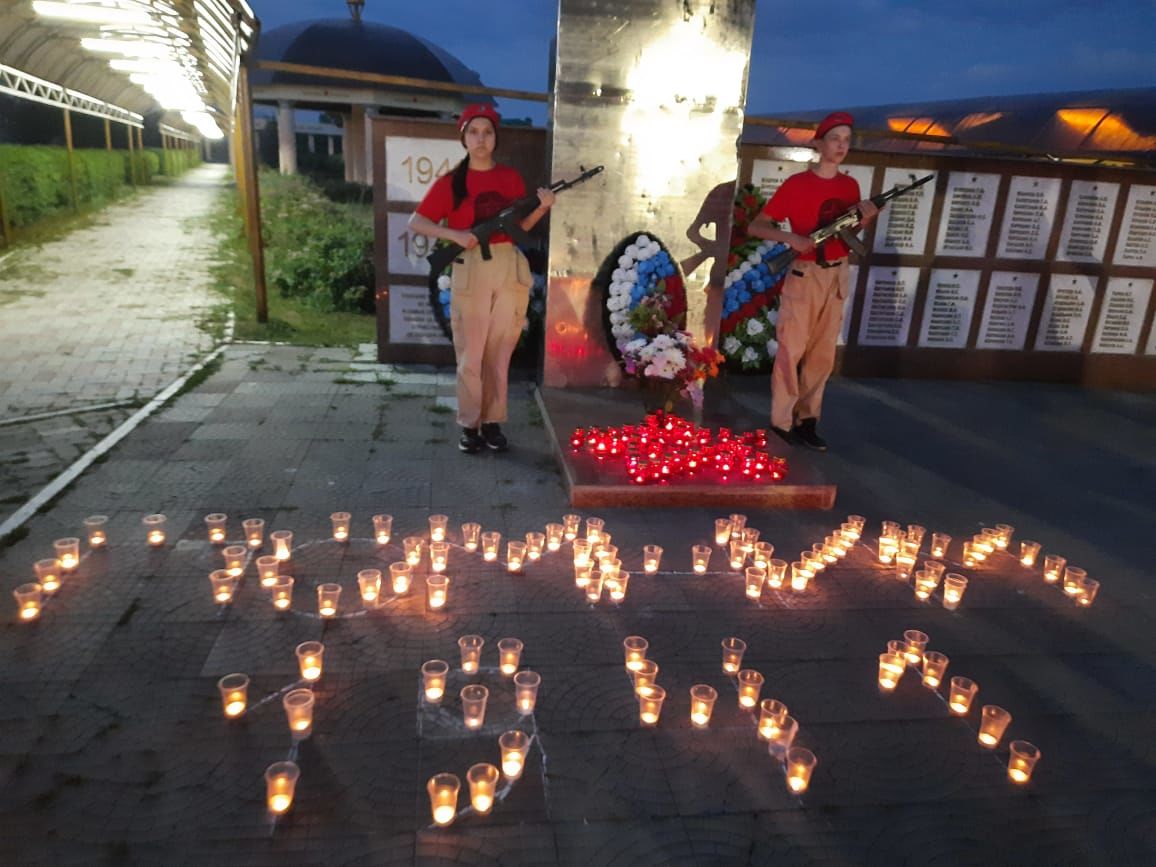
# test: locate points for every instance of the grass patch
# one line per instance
(441, 409)
(199, 377)
(290, 320)
(10, 539)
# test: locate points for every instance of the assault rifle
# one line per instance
(508, 220)
(843, 227)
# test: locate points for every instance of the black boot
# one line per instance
(471, 442)
(808, 436)
(493, 437)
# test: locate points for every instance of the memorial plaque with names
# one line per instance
(848, 306)
(1087, 222)
(965, 224)
(903, 222)
(1122, 315)
(1067, 308)
(1029, 217)
(887, 306)
(863, 174)
(949, 308)
(412, 164)
(768, 175)
(411, 319)
(1007, 312)
(1136, 244)
(407, 250)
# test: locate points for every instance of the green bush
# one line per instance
(315, 249)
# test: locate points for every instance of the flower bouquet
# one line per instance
(646, 307)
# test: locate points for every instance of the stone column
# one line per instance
(367, 160)
(286, 138)
(354, 146)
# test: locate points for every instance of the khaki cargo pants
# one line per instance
(810, 318)
(488, 302)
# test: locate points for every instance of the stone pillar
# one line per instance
(346, 123)
(331, 141)
(367, 160)
(354, 146)
(286, 138)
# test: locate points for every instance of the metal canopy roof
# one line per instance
(177, 56)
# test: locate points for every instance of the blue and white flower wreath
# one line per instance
(643, 269)
(751, 309)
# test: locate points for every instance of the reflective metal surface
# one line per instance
(655, 91)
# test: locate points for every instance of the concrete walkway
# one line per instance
(114, 749)
(114, 311)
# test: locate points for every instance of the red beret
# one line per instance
(834, 119)
(478, 109)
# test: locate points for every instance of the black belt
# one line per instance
(799, 273)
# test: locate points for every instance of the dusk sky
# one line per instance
(814, 56)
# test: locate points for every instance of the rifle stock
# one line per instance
(508, 220)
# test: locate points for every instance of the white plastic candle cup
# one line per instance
(509, 656)
(483, 781)
(268, 568)
(535, 545)
(471, 650)
(934, 567)
(738, 523)
(961, 695)
(474, 697)
(215, 527)
(755, 578)
(650, 705)
(738, 554)
(583, 552)
(594, 588)
(582, 574)
(645, 676)
(634, 648)
(282, 593)
(224, 586)
(411, 546)
(1003, 535)
(369, 585)
(915, 533)
(29, 600)
(310, 660)
(515, 555)
(340, 522)
(954, 586)
(1054, 568)
(234, 556)
(1089, 587)
(328, 598)
(154, 530)
(439, 556)
(934, 668)
(282, 544)
(722, 531)
(1029, 551)
(234, 690)
(471, 535)
(750, 685)
(400, 577)
(433, 680)
(570, 524)
(254, 529)
(443, 790)
(801, 575)
(514, 746)
(594, 527)
(526, 685)
(437, 591)
(762, 554)
(616, 587)
(382, 529)
(48, 574)
(651, 558)
(606, 552)
(993, 722)
(67, 553)
(916, 643)
(776, 573)
(554, 533)
(700, 558)
(1022, 758)
(280, 784)
(800, 766)
(298, 704)
(782, 737)
(437, 527)
(732, 655)
(490, 543)
(96, 529)
(891, 669)
(772, 712)
(1073, 578)
(939, 545)
(702, 699)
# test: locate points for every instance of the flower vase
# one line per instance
(659, 394)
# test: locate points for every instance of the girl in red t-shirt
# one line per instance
(488, 298)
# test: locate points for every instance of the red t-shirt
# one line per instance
(489, 192)
(809, 202)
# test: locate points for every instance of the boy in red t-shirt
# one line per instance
(488, 297)
(811, 311)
